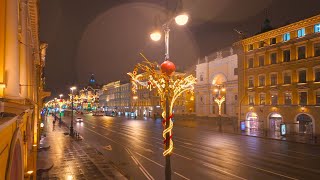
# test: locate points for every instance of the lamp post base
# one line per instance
(71, 131)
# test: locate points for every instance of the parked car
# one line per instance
(79, 119)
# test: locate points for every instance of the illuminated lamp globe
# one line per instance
(167, 67)
(155, 36)
(181, 19)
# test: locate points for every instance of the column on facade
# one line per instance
(12, 52)
(211, 103)
(23, 49)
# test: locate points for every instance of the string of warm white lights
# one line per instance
(168, 87)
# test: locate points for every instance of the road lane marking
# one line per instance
(149, 159)
(134, 159)
(304, 153)
(109, 148)
(145, 174)
(222, 171)
(271, 172)
(280, 154)
(182, 156)
(181, 176)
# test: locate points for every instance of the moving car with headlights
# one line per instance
(79, 119)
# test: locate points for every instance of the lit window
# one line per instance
(286, 55)
(251, 100)
(287, 78)
(273, 79)
(262, 80)
(274, 99)
(288, 99)
(251, 82)
(301, 32)
(303, 96)
(286, 37)
(262, 99)
(317, 74)
(316, 48)
(302, 76)
(301, 52)
(273, 58)
(261, 61)
(317, 28)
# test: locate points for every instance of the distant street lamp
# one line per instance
(71, 126)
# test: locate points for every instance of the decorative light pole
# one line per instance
(55, 109)
(168, 86)
(60, 104)
(71, 126)
(219, 100)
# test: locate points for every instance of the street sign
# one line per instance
(283, 129)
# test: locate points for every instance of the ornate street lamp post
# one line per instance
(219, 100)
(168, 86)
(71, 126)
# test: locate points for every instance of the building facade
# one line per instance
(217, 75)
(22, 59)
(279, 78)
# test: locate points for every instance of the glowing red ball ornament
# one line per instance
(168, 67)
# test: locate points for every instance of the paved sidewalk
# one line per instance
(72, 159)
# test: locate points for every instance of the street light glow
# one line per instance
(155, 36)
(181, 19)
(73, 88)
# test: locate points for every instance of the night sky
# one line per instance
(105, 37)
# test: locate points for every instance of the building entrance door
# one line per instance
(275, 120)
(305, 124)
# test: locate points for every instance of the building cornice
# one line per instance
(279, 31)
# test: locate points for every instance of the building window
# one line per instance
(273, 41)
(235, 97)
(201, 77)
(261, 61)
(286, 55)
(251, 100)
(316, 48)
(273, 79)
(235, 71)
(318, 98)
(261, 44)
(317, 74)
(274, 99)
(317, 28)
(262, 80)
(301, 32)
(250, 84)
(273, 58)
(288, 99)
(286, 37)
(250, 47)
(301, 52)
(303, 96)
(287, 78)
(262, 99)
(302, 76)
(250, 63)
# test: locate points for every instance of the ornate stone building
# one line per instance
(22, 59)
(279, 76)
(217, 74)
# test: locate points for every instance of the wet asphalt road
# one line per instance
(135, 146)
